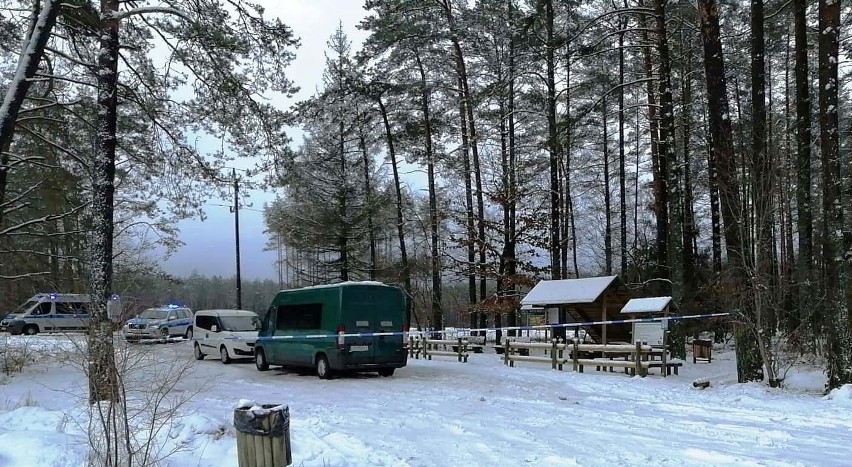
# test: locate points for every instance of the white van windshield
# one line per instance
(23, 308)
(240, 323)
(154, 314)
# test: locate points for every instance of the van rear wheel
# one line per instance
(260, 360)
(322, 367)
(386, 372)
(31, 329)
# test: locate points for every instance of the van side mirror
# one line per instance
(214, 328)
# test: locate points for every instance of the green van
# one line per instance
(357, 326)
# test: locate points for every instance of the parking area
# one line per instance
(441, 412)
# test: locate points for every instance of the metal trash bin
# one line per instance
(263, 435)
(702, 349)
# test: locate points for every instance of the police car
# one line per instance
(159, 323)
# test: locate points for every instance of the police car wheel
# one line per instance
(188, 334)
(165, 333)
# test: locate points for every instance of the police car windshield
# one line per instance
(154, 314)
(240, 323)
(23, 308)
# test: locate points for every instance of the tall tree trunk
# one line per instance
(762, 199)
(622, 175)
(437, 314)
(343, 237)
(400, 220)
(467, 101)
(607, 197)
(839, 346)
(745, 229)
(666, 147)
(804, 222)
(509, 253)
(715, 215)
(368, 188)
(787, 183)
(570, 229)
(688, 265)
(748, 363)
(42, 20)
(470, 235)
(552, 145)
(103, 375)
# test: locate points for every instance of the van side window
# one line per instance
(43, 308)
(205, 322)
(65, 308)
(302, 316)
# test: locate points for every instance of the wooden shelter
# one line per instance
(652, 332)
(585, 300)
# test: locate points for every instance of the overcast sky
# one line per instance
(209, 245)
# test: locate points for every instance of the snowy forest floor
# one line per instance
(446, 413)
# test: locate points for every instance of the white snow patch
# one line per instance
(553, 292)
(841, 395)
(646, 305)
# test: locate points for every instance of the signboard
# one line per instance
(649, 332)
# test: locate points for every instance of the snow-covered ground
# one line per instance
(442, 413)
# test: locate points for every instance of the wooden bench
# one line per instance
(500, 347)
(670, 366)
(475, 343)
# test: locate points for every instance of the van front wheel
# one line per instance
(323, 368)
(31, 329)
(260, 361)
(198, 354)
(223, 353)
(386, 372)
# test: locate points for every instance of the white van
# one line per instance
(230, 333)
(54, 312)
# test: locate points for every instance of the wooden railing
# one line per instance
(562, 353)
(427, 348)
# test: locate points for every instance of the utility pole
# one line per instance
(237, 237)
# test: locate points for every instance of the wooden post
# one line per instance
(506, 350)
(560, 353)
(575, 355)
(603, 318)
(553, 355)
(665, 356)
(638, 359)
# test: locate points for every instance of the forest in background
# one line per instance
(694, 149)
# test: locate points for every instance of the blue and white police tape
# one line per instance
(505, 328)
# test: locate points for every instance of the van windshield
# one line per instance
(240, 323)
(154, 314)
(23, 308)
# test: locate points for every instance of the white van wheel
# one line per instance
(198, 354)
(323, 368)
(223, 353)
